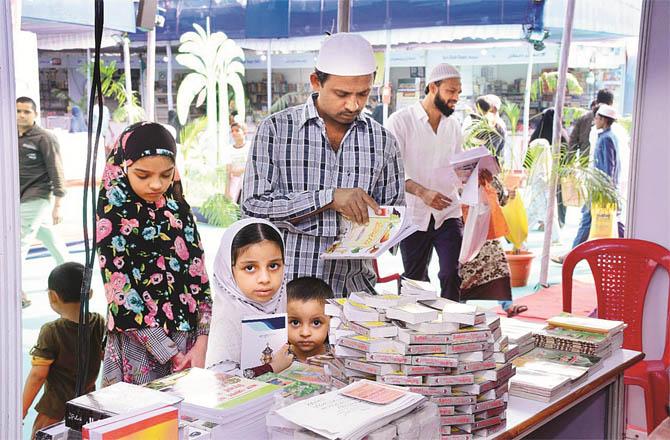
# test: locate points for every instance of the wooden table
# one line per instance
(593, 409)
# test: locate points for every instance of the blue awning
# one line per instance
(301, 18)
(119, 14)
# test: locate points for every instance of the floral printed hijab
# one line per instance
(150, 254)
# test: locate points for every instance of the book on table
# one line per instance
(262, 337)
(371, 240)
(153, 422)
(594, 325)
(573, 365)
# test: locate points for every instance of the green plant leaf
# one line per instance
(190, 86)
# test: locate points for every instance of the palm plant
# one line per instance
(513, 113)
(547, 82)
(217, 63)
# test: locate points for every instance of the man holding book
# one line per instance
(311, 162)
(428, 138)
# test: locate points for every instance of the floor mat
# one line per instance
(548, 302)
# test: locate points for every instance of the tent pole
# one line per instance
(556, 142)
(343, 15)
(526, 106)
(387, 73)
(168, 50)
(151, 74)
(126, 74)
(268, 64)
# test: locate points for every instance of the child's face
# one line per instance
(151, 176)
(259, 270)
(308, 327)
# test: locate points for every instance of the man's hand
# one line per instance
(56, 215)
(435, 200)
(353, 203)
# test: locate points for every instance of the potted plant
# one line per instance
(513, 178)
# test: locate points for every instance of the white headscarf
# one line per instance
(230, 304)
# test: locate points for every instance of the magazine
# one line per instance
(464, 163)
(262, 336)
(373, 239)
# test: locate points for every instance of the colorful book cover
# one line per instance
(374, 392)
(565, 363)
(162, 423)
(291, 388)
(262, 337)
(595, 325)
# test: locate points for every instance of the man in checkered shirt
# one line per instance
(311, 162)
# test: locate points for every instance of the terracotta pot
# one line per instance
(519, 266)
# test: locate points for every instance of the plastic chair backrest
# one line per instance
(622, 269)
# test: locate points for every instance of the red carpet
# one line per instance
(548, 302)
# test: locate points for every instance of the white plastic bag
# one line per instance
(477, 223)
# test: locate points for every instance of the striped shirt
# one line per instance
(292, 171)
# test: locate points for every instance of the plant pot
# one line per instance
(519, 266)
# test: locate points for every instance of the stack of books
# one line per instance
(566, 332)
(118, 399)
(232, 406)
(520, 333)
(452, 353)
(543, 374)
(156, 421)
(298, 381)
(361, 409)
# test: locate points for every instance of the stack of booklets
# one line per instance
(543, 374)
(57, 431)
(371, 240)
(452, 353)
(156, 421)
(236, 404)
(583, 335)
(298, 381)
(352, 412)
(417, 289)
(118, 399)
(520, 333)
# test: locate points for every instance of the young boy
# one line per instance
(53, 356)
(308, 324)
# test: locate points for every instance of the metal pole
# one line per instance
(526, 105)
(89, 72)
(126, 74)
(168, 50)
(151, 75)
(387, 73)
(343, 15)
(268, 63)
(556, 143)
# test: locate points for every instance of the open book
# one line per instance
(465, 162)
(370, 241)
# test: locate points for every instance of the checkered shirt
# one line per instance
(292, 171)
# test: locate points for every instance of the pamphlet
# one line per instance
(262, 337)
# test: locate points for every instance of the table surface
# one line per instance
(525, 414)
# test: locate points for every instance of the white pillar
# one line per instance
(558, 125)
(269, 72)
(126, 74)
(168, 50)
(526, 104)
(387, 73)
(10, 264)
(150, 105)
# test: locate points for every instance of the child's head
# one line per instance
(308, 323)
(151, 151)
(257, 259)
(65, 285)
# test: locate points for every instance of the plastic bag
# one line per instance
(517, 221)
(476, 229)
(603, 221)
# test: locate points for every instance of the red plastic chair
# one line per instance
(622, 269)
(393, 277)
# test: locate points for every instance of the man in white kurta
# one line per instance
(428, 137)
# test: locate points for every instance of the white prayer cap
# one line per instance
(494, 101)
(346, 54)
(442, 71)
(607, 110)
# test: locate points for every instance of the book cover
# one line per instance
(372, 239)
(594, 325)
(118, 398)
(565, 363)
(262, 337)
(412, 313)
(291, 388)
(156, 423)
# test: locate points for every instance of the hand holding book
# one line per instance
(353, 203)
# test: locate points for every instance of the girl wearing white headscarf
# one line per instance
(248, 280)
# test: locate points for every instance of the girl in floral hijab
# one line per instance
(151, 260)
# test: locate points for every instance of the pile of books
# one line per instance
(225, 406)
(452, 353)
(568, 348)
(520, 333)
(578, 334)
(363, 409)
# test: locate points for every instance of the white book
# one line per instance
(418, 290)
(453, 311)
(412, 313)
(383, 301)
(359, 312)
(334, 307)
(262, 337)
(466, 161)
(374, 238)
(435, 326)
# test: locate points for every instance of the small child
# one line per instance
(308, 324)
(248, 281)
(53, 356)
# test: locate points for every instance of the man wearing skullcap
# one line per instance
(428, 138)
(311, 164)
